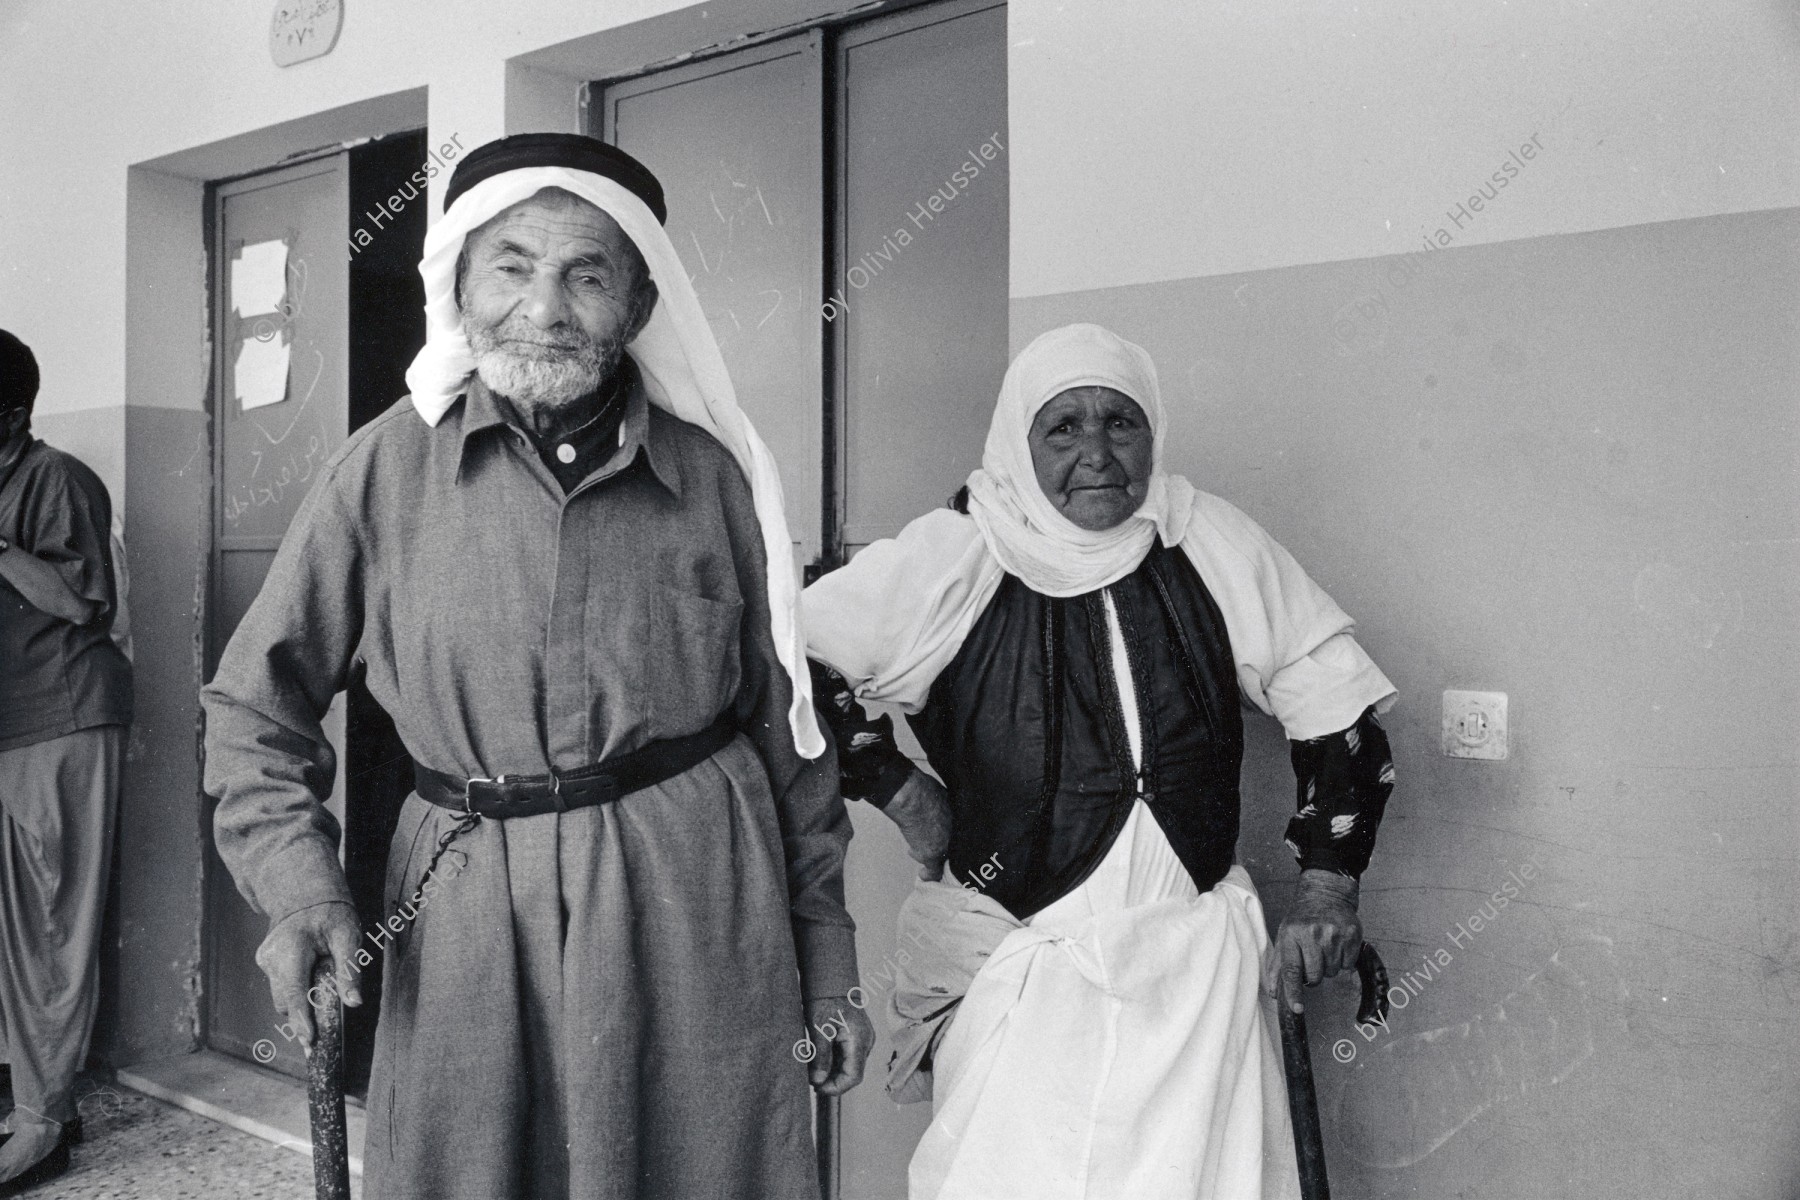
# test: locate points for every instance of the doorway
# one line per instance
(313, 329)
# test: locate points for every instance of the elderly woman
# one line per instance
(1072, 640)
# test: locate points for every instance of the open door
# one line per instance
(281, 409)
(315, 328)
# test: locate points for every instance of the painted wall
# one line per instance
(1556, 459)
(1163, 140)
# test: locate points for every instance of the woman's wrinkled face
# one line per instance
(1092, 449)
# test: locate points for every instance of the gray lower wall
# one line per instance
(1562, 468)
(151, 977)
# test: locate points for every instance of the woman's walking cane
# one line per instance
(830, 1111)
(1303, 1098)
(325, 1088)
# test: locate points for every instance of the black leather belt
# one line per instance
(601, 783)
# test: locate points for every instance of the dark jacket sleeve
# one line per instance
(267, 758)
(871, 765)
(71, 528)
(1343, 781)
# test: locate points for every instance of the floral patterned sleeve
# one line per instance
(870, 762)
(1343, 781)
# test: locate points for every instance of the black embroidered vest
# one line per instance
(1026, 730)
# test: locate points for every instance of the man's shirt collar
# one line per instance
(483, 411)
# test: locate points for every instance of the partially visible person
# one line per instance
(65, 700)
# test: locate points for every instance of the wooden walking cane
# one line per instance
(830, 1111)
(1303, 1098)
(325, 1088)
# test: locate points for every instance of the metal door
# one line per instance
(280, 410)
(736, 144)
(922, 258)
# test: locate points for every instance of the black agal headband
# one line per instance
(571, 150)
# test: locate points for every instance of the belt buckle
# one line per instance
(468, 800)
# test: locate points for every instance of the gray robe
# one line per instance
(601, 1003)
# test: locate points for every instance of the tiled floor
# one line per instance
(137, 1148)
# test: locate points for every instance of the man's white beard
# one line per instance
(536, 374)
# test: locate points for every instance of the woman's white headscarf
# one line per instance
(1023, 529)
(893, 618)
(680, 363)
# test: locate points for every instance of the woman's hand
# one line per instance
(921, 808)
(1321, 936)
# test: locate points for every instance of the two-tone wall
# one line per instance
(1554, 456)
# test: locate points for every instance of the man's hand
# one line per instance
(840, 1038)
(287, 956)
(921, 808)
(1321, 936)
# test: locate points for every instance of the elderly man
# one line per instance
(564, 567)
(65, 700)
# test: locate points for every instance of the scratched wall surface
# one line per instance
(1562, 468)
(168, 491)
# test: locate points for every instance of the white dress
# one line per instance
(1118, 1045)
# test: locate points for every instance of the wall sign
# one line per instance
(303, 29)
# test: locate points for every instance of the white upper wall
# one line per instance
(1154, 139)
(1167, 139)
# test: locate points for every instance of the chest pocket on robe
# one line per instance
(677, 653)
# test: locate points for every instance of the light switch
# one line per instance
(1475, 724)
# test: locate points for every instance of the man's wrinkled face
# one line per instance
(1092, 449)
(551, 292)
